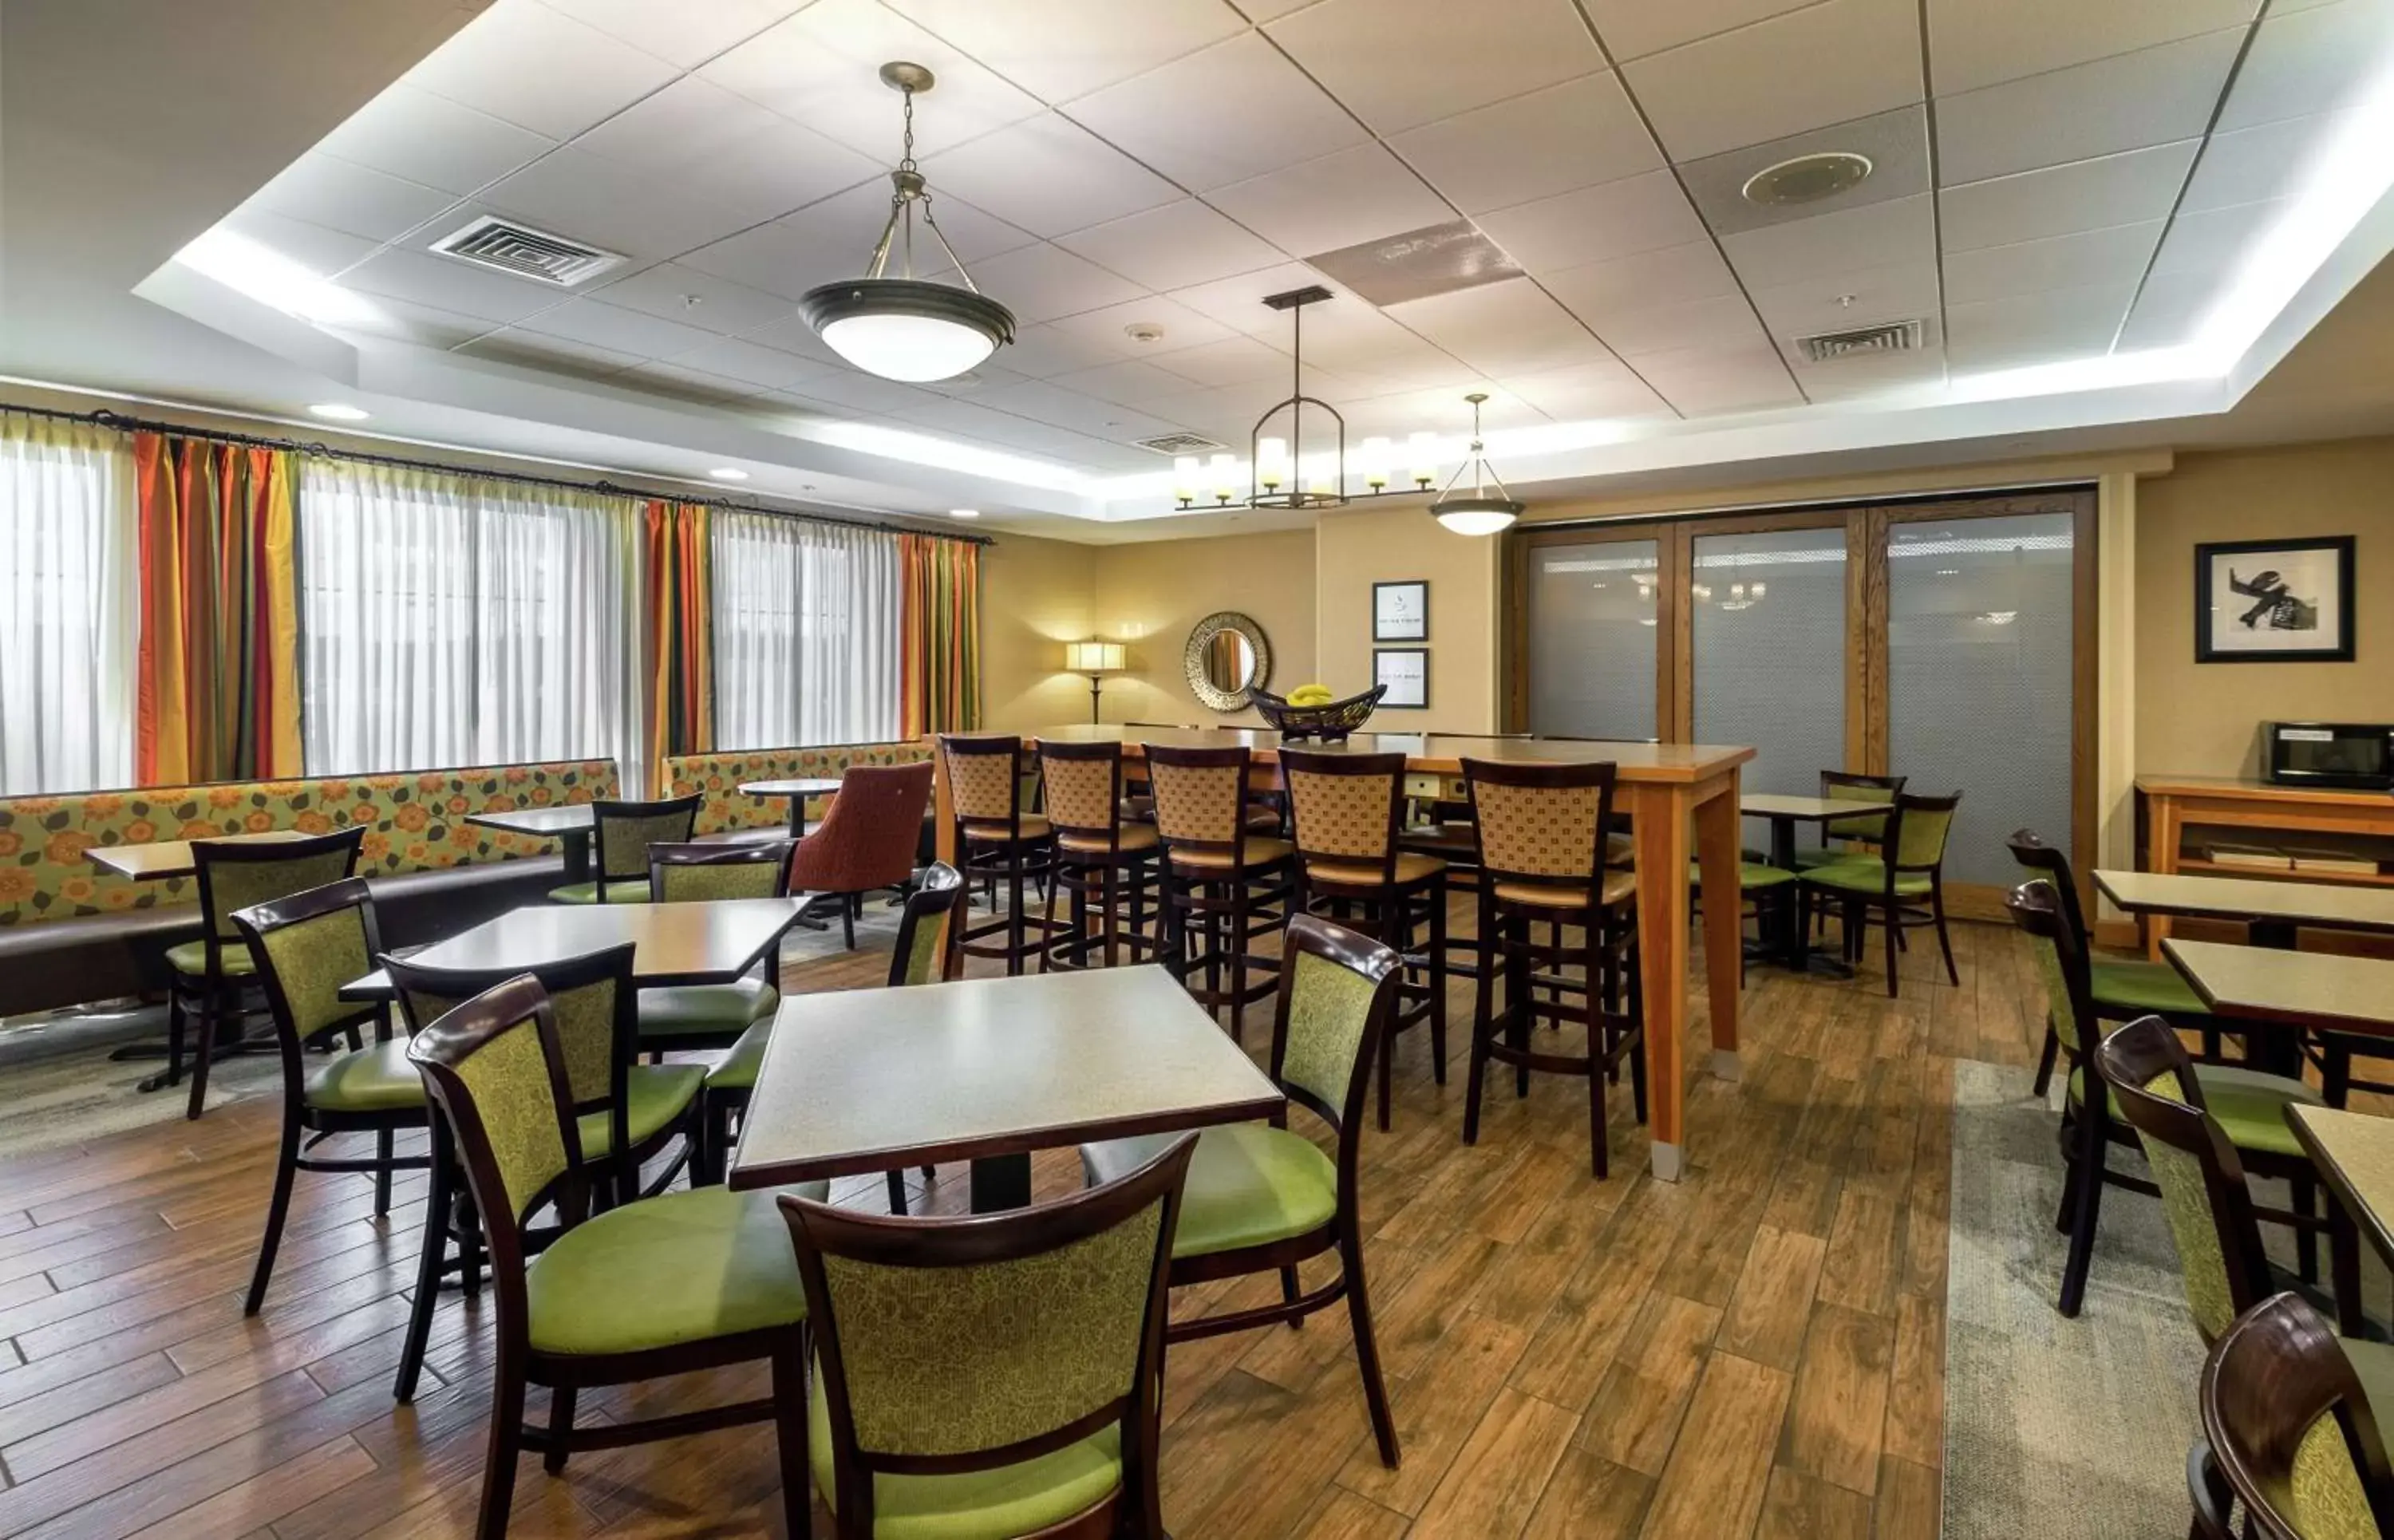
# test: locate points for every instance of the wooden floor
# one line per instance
(1756, 1351)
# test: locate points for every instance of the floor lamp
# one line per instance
(1097, 659)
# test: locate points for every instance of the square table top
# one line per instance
(2327, 905)
(173, 858)
(815, 785)
(1806, 810)
(872, 1079)
(2267, 983)
(1434, 753)
(674, 943)
(566, 818)
(2354, 1152)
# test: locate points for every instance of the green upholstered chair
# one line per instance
(1758, 883)
(306, 947)
(209, 974)
(627, 1111)
(995, 1375)
(1902, 889)
(2248, 1105)
(1845, 837)
(2121, 988)
(2288, 1427)
(692, 1281)
(917, 959)
(711, 1016)
(1262, 1198)
(623, 833)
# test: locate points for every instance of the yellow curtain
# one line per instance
(939, 618)
(679, 614)
(218, 667)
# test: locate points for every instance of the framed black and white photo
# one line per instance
(1405, 670)
(1400, 612)
(2274, 601)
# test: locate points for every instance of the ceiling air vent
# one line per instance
(1895, 336)
(526, 252)
(1179, 443)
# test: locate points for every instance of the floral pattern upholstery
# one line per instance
(719, 777)
(413, 822)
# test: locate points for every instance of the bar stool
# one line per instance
(624, 831)
(996, 840)
(1542, 859)
(1097, 854)
(1344, 814)
(1218, 878)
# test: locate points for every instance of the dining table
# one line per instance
(987, 1070)
(1681, 800)
(795, 790)
(569, 824)
(709, 943)
(1784, 937)
(158, 860)
(2354, 1154)
(2273, 910)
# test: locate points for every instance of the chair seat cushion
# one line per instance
(736, 1070)
(2134, 988)
(1809, 856)
(1411, 866)
(1260, 851)
(654, 1095)
(379, 1078)
(683, 1266)
(2251, 1106)
(1249, 1183)
(1129, 837)
(1029, 826)
(1750, 875)
(1262, 818)
(705, 1010)
(1865, 875)
(619, 890)
(190, 958)
(1618, 888)
(1025, 1498)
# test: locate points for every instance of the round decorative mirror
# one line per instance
(1226, 658)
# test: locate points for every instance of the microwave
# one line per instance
(2355, 755)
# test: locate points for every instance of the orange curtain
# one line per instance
(217, 668)
(678, 612)
(939, 618)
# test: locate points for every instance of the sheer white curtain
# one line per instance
(70, 588)
(806, 632)
(451, 620)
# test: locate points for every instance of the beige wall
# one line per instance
(1148, 596)
(1034, 598)
(2202, 718)
(1360, 546)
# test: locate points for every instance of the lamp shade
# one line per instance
(1095, 657)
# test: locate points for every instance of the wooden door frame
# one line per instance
(1687, 531)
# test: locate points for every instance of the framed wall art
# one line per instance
(2274, 601)
(1405, 671)
(1400, 612)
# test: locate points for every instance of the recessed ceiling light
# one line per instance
(340, 412)
(1806, 178)
(964, 513)
(729, 473)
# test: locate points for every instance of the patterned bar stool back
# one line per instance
(1083, 783)
(1200, 798)
(1541, 826)
(1345, 810)
(985, 784)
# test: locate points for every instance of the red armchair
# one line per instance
(867, 837)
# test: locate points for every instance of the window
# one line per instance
(1767, 624)
(69, 593)
(806, 632)
(450, 620)
(1592, 620)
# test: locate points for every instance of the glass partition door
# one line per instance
(1594, 626)
(1767, 631)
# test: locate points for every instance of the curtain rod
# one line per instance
(118, 420)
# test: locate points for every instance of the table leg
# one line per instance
(1658, 820)
(577, 855)
(798, 818)
(1717, 827)
(2343, 1265)
(1001, 1181)
(944, 842)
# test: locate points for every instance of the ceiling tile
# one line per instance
(1586, 391)
(1042, 352)
(1109, 327)
(2311, 61)
(683, 35)
(349, 198)
(834, 239)
(2129, 101)
(318, 249)
(423, 325)
(2037, 328)
(539, 69)
(1341, 199)
(649, 215)
(765, 368)
(1859, 57)
(1828, 244)
(443, 284)
(1726, 321)
(600, 325)
(2170, 310)
(2251, 165)
(1862, 377)
(1042, 282)
(1178, 119)
(846, 392)
(1673, 275)
(1238, 302)
(1509, 328)
(1850, 298)
(1173, 246)
(1574, 135)
(1443, 412)
(2111, 190)
(695, 298)
(2118, 255)
(432, 140)
(1973, 44)
(1131, 382)
(1233, 361)
(1632, 29)
(1042, 401)
(1596, 224)
(1401, 63)
(1895, 143)
(684, 384)
(1059, 49)
(719, 145)
(821, 69)
(2216, 241)
(1703, 381)
(1047, 174)
(538, 350)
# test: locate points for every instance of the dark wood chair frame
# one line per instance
(1390, 909)
(2268, 1379)
(746, 852)
(1537, 983)
(605, 809)
(1097, 882)
(305, 1127)
(1133, 1509)
(438, 1049)
(1014, 859)
(1310, 936)
(2088, 1131)
(1224, 908)
(210, 995)
(1889, 909)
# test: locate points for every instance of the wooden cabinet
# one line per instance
(2183, 819)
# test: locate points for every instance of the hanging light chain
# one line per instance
(909, 187)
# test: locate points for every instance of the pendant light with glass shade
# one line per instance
(1477, 511)
(906, 328)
